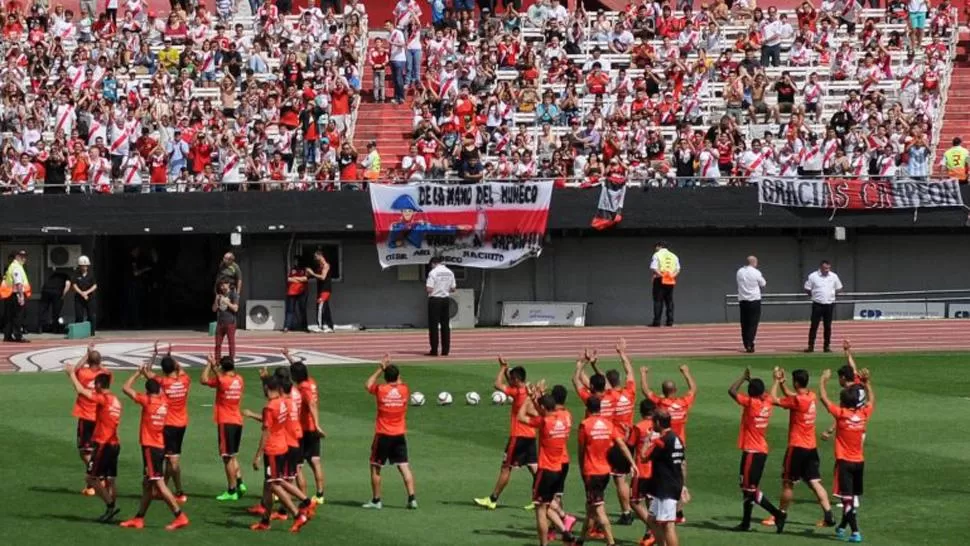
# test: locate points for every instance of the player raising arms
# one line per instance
(678, 407)
(520, 450)
(848, 379)
(850, 422)
(641, 438)
(310, 423)
(553, 424)
(229, 388)
(86, 370)
(597, 434)
(801, 458)
(175, 386)
(154, 409)
(274, 452)
(757, 406)
(666, 487)
(390, 443)
(624, 397)
(102, 465)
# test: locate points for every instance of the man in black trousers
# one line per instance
(441, 283)
(822, 285)
(750, 282)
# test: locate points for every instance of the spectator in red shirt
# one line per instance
(378, 59)
(340, 98)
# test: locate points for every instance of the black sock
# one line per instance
(281, 510)
(493, 497)
(770, 508)
(110, 506)
(232, 490)
(305, 503)
(853, 523)
(265, 519)
(829, 518)
(410, 498)
(320, 492)
(239, 481)
(179, 493)
(376, 500)
(680, 514)
(746, 517)
(140, 514)
(177, 513)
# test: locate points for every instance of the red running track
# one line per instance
(521, 343)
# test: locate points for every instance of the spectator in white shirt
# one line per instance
(771, 33)
(750, 282)
(822, 285)
(398, 61)
(440, 284)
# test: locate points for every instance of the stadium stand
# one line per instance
(243, 100)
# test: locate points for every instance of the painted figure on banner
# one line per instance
(413, 227)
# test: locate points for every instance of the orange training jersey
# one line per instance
(596, 436)
(309, 397)
(518, 429)
(176, 389)
(754, 423)
(392, 408)
(107, 416)
(154, 410)
(624, 399)
(801, 419)
(84, 408)
(641, 438)
(677, 408)
(293, 429)
(850, 431)
(229, 393)
(553, 434)
(275, 414)
(606, 401)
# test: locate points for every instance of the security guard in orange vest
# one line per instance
(15, 291)
(664, 266)
(955, 161)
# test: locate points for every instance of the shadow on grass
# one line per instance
(712, 525)
(72, 492)
(507, 532)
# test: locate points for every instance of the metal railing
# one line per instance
(924, 297)
(672, 183)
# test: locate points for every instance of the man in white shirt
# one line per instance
(771, 34)
(440, 284)
(822, 286)
(750, 282)
(398, 45)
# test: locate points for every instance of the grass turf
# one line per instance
(916, 459)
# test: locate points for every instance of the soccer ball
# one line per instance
(417, 399)
(498, 398)
(444, 399)
(472, 399)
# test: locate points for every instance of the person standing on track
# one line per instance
(851, 421)
(822, 285)
(225, 306)
(664, 267)
(750, 283)
(757, 406)
(322, 273)
(84, 286)
(801, 458)
(440, 284)
(390, 443)
(15, 291)
(229, 388)
(520, 450)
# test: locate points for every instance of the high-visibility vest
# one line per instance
(667, 266)
(955, 160)
(7, 286)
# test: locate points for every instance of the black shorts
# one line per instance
(295, 457)
(173, 439)
(310, 444)
(275, 466)
(596, 488)
(389, 450)
(104, 461)
(801, 464)
(752, 467)
(619, 466)
(848, 479)
(230, 436)
(638, 491)
(85, 430)
(563, 473)
(545, 486)
(520, 451)
(153, 461)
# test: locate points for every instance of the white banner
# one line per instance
(902, 310)
(543, 313)
(487, 225)
(852, 194)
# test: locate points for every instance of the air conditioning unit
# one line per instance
(63, 256)
(461, 308)
(265, 314)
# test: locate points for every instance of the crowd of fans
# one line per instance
(124, 100)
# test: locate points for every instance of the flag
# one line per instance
(609, 212)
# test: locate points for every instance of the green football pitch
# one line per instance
(916, 460)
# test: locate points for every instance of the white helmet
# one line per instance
(83, 260)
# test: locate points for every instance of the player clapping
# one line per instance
(229, 392)
(87, 369)
(313, 432)
(175, 386)
(390, 443)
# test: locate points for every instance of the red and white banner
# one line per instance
(486, 225)
(855, 194)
